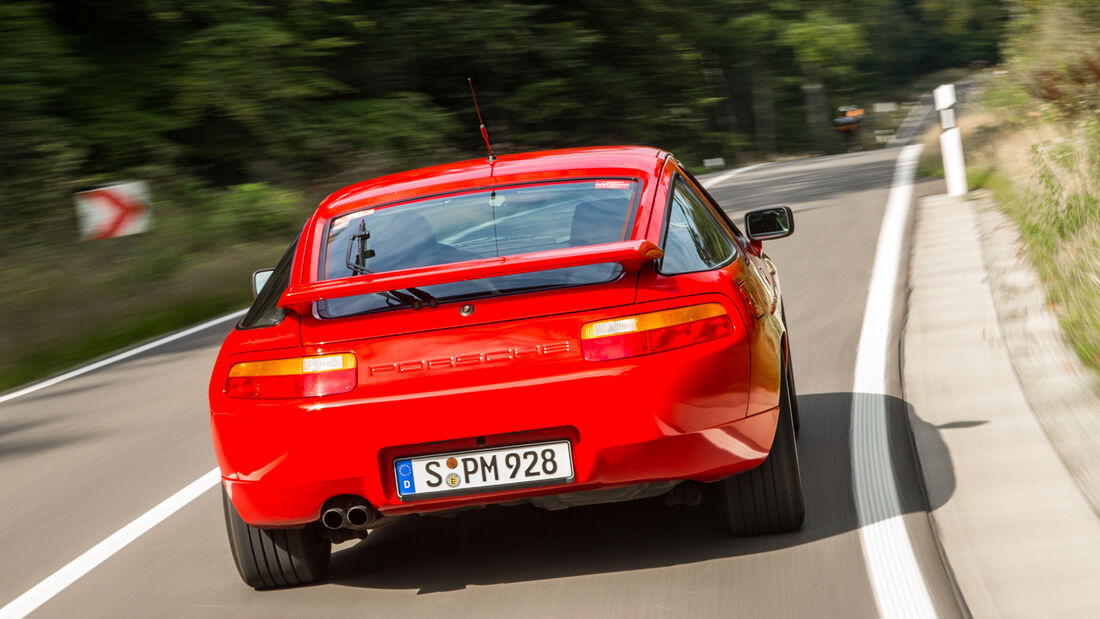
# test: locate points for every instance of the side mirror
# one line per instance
(769, 223)
(259, 278)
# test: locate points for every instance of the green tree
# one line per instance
(39, 159)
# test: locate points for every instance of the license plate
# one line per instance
(476, 471)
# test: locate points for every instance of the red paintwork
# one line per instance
(435, 381)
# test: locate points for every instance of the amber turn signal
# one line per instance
(300, 377)
(642, 334)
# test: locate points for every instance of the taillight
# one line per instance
(301, 377)
(642, 334)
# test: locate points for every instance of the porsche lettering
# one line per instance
(471, 359)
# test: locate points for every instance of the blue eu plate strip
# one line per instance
(405, 483)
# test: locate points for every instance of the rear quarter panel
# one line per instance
(744, 281)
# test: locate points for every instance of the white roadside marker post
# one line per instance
(954, 169)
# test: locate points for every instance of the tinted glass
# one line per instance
(475, 225)
(722, 216)
(264, 311)
(693, 239)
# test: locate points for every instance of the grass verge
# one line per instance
(1043, 169)
(56, 358)
(83, 301)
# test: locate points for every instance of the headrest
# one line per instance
(598, 221)
(410, 229)
(407, 241)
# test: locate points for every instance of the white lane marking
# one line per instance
(899, 587)
(78, 567)
(49, 382)
(914, 120)
(725, 176)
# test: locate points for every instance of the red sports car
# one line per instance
(558, 328)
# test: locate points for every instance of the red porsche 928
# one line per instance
(558, 328)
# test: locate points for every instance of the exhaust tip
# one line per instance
(358, 515)
(333, 518)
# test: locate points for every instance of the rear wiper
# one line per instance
(424, 297)
(400, 297)
(416, 300)
(357, 244)
(364, 253)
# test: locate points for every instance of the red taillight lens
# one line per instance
(643, 334)
(301, 377)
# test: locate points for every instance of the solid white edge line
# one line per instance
(78, 567)
(725, 176)
(49, 382)
(899, 586)
(71, 572)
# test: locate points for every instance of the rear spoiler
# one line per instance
(299, 297)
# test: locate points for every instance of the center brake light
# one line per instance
(642, 334)
(300, 377)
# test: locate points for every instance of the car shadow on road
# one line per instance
(515, 544)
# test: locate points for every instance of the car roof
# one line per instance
(602, 161)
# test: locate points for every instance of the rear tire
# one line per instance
(790, 373)
(792, 393)
(271, 558)
(767, 499)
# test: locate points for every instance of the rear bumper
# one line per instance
(675, 415)
(707, 455)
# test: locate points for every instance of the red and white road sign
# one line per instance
(114, 210)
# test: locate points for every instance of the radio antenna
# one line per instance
(484, 131)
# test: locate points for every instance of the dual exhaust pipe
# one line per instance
(356, 516)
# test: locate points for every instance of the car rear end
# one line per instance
(481, 346)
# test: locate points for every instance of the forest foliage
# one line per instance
(207, 99)
(242, 114)
(1036, 144)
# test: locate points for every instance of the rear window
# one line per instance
(474, 225)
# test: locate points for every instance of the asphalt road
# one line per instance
(80, 459)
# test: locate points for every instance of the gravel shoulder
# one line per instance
(1006, 478)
